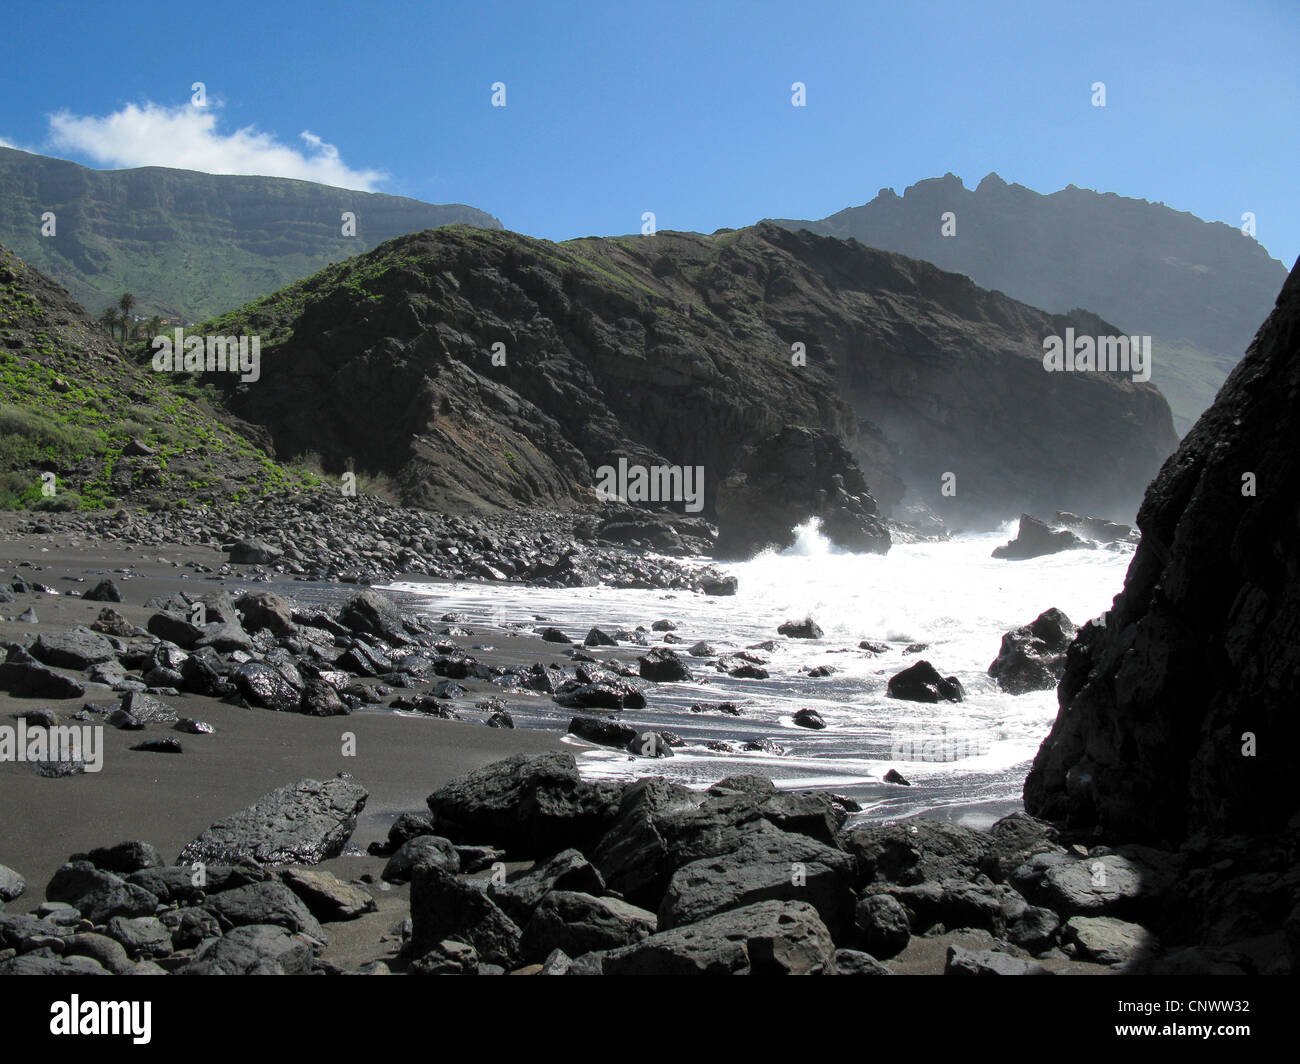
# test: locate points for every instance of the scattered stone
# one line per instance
(165, 745)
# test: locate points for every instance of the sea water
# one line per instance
(964, 761)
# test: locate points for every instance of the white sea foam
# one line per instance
(951, 595)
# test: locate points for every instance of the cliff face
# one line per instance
(191, 244)
(1199, 288)
(1178, 712)
(686, 350)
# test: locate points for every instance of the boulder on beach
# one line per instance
(78, 649)
(663, 666)
(768, 938)
(253, 552)
(443, 906)
(530, 806)
(303, 823)
(104, 591)
(23, 677)
(602, 731)
(370, 613)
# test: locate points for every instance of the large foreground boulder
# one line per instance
(530, 806)
(769, 864)
(304, 823)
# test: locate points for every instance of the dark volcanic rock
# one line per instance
(916, 851)
(443, 907)
(769, 938)
(174, 629)
(78, 649)
(663, 666)
(262, 685)
(578, 923)
(884, 925)
(372, 614)
(11, 884)
(260, 949)
(602, 731)
(24, 678)
(1032, 657)
(98, 895)
(769, 864)
(567, 870)
(1163, 699)
(145, 709)
(428, 849)
(326, 896)
(529, 806)
(164, 745)
(809, 718)
(922, 683)
(253, 552)
(805, 629)
(303, 823)
(1034, 539)
(787, 477)
(104, 591)
(319, 699)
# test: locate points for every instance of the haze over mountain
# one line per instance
(1200, 289)
(189, 244)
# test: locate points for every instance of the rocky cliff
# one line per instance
(1178, 708)
(190, 244)
(488, 369)
(1198, 288)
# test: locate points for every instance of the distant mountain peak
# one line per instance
(1197, 288)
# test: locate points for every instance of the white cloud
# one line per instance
(187, 138)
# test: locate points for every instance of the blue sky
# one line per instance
(683, 109)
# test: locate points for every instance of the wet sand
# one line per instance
(168, 799)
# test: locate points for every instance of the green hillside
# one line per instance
(191, 245)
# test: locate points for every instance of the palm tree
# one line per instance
(153, 327)
(109, 320)
(126, 304)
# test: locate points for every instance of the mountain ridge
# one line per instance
(189, 244)
(1198, 288)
